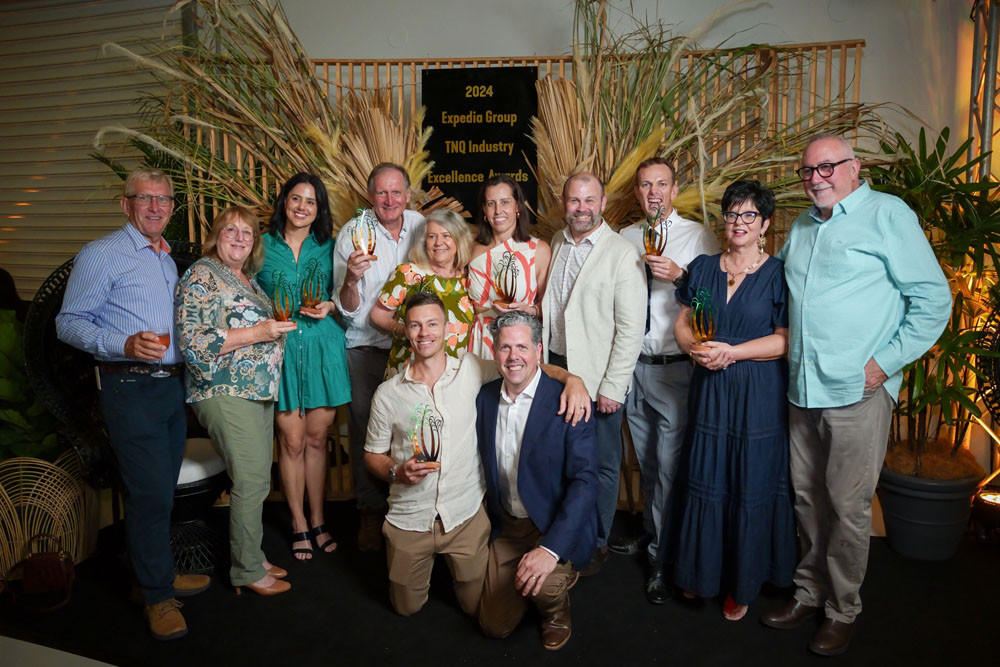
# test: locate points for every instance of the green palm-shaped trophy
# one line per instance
(702, 318)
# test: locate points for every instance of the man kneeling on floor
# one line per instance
(422, 440)
(541, 487)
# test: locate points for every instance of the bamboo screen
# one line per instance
(808, 76)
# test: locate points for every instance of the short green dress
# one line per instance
(454, 293)
(314, 373)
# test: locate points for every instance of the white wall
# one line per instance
(914, 54)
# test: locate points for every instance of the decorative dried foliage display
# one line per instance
(642, 92)
(244, 111)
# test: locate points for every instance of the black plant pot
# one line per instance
(925, 518)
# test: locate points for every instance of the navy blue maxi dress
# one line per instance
(735, 526)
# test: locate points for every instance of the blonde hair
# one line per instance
(144, 174)
(255, 260)
(459, 231)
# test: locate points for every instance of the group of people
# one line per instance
(487, 377)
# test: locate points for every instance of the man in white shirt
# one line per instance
(435, 493)
(541, 487)
(593, 313)
(358, 280)
(656, 408)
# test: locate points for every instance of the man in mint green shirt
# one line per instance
(866, 297)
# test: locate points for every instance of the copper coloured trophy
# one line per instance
(653, 240)
(426, 438)
(363, 234)
(505, 279)
(283, 297)
(702, 318)
(312, 287)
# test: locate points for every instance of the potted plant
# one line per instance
(929, 477)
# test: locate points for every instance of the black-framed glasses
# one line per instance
(746, 217)
(825, 169)
(146, 200)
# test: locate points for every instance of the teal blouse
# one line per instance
(211, 300)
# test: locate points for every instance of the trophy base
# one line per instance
(503, 303)
(309, 311)
(697, 347)
(282, 317)
(432, 464)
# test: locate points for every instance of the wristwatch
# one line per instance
(679, 280)
(392, 474)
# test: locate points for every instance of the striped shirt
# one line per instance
(391, 253)
(119, 286)
(565, 270)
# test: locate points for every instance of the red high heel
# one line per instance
(733, 611)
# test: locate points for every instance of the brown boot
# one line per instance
(557, 628)
(370, 533)
(186, 585)
(165, 620)
(832, 638)
(791, 615)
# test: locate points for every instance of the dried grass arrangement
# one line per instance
(641, 92)
(244, 110)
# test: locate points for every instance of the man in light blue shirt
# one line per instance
(866, 297)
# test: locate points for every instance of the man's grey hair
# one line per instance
(146, 175)
(514, 318)
(822, 136)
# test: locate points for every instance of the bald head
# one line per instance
(582, 177)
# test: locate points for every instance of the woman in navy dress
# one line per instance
(735, 524)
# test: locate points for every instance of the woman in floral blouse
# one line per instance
(232, 347)
(437, 263)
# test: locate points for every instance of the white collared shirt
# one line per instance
(455, 492)
(391, 253)
(686, 240)
(569, 262)
(512, 415)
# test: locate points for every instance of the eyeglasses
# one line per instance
(232, 233)
(746, 217)
(825, 169)
(146, 200)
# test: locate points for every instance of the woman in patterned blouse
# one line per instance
(437, 263)
(232, 347)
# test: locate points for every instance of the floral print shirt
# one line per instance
(211, 300)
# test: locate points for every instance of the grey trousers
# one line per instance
(836, 456)
(243, 434)
(656, 410)
(366, 367)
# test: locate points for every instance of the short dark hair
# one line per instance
(582, 176)
(484, 233)
(753, 191)
(654, 161)
(514, 318)
(383, 167)
(322, 226)
(423, 298)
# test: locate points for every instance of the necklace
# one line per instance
(732, 275)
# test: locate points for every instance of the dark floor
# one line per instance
(338, 613)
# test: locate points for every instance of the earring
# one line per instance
(760, 242)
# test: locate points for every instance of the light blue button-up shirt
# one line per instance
(119, 286)
(863, 284)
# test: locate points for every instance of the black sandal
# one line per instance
(319, 530)
(302, 537)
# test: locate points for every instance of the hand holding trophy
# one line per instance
(312, 288)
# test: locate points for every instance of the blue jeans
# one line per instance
(145, 418)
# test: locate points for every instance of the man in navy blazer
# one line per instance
(541, 487)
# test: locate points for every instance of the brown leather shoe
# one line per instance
(792, 615)
(596, 562)
(832, 638)
(370, 532)
(557, 628)
(186, 585)
(165, 620)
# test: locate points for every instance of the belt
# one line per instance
(128, 368)
(662, 359)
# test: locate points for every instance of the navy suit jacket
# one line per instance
(556, 474)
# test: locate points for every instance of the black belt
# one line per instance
(128, 368)
(662, 359)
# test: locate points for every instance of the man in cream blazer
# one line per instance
(594, 314)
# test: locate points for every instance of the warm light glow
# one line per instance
(14, 217)
(30, 190)
(38, 178)
(21, 203)
(992, 497)
(8, 229)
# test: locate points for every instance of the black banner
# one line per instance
(482, 123)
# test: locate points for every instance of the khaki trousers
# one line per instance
(503, 606)
(411, 559)
(836, 457)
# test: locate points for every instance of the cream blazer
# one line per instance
(605, 315)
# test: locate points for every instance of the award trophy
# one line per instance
(702, 318)
(363, 234)
(312, 288)
(653, 241)
(426, 438)
(505, 279)
(283, 297)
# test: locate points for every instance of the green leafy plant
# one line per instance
(26, 429)
(962, 221)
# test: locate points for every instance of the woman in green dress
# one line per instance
(298, 266)
(438, 260)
